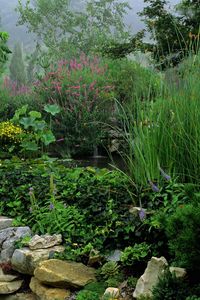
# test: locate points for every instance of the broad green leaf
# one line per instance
(53, 109)
(29, 146)
(20, 112)
(39, 125)
(35, 114)
(27, 122)
(48, 138)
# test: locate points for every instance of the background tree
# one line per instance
(173, 32)
(4, 50)
(60, 27)
(17, 67)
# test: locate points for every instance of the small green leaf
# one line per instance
(29, 146)
(27, 122)
(35, 114)
(48, 138)
(40, 125)
(53, 109)
(20, 112)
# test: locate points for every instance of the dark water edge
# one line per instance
(97, 162)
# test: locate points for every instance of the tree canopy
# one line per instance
(59, 26)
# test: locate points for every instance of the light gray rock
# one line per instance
(5, 222)
(10, 287)
(149, 279)
(179, 272)
(25, 260)
(8, 237)
(115, 256)
(21, 232)
(6, 254)
(6, 234)
(44, 241)
(6, 277)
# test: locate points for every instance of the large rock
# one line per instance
(47, 293)
(44, 241)
(64, 274)
(10, 287)
(8, 238)
(5, 222)
(149, 279)
(179, 272)
(25, 260)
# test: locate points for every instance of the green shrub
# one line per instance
(182, 229)
(132, 281)
(87, 295)
(96, 287)
(139, 252)
(134, 82)
(109, 269)
(98, 197)
(170, 288)
(83, 90)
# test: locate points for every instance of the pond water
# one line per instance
(97, 162)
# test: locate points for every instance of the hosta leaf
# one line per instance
(40, 125)
(27, 122)
(53, 109)
(48, 138)
(35, 114)
(30, 146)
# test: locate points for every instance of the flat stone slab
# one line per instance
(64, 274)
(5, 222)
(44, 241)
(10, 287)
(48, 293)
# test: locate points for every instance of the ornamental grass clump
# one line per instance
(165, 137)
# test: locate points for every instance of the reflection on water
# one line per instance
(99, 162)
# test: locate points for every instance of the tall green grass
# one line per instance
(166, 133)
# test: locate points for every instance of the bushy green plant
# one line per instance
(132, 281)
(110, 269)
(134, 82)
(10, 136)
(87, 295)
(170, 287)
(139, 252)
(36, 133)
(83, 90)
(115, 281)
(96, 287)
(4, 50)
(182, 229)
(98, 197)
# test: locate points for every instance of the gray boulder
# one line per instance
(25, 260)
